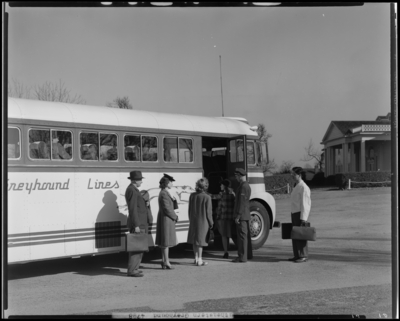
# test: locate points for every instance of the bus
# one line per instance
(68, 168)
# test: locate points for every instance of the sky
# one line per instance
(292, 69)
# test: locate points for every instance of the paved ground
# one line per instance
(349, 272)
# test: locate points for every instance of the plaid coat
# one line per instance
(226, 205)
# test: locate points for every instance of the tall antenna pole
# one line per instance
(222, 95)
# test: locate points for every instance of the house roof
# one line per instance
(345, 126)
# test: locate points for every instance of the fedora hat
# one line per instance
(169, 177)
(240, 171)
(135, 175)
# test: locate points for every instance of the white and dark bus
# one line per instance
(68, 168)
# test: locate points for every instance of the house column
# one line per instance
(328, 161)
(344, 157)
(352, 158)
(362, 156)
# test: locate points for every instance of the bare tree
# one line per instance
(286, 166)
(122, 103)
(313, 153)
(269, 167)
(262, 133)
(18, 90)
(56, 92)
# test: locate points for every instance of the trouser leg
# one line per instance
(135, 258)
(300, 248)
(241, 229)
(249, 245)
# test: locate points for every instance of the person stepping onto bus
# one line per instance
(166, 220)
(200, 219)
(241, 213)
(137, 219)
(225, 213)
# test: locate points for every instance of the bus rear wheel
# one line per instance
(259, 224)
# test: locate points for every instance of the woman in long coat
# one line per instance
(225, 219)
(200, 219)
(166, 219)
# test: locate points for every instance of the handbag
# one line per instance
(303, 233)
(137, 242)
(175, 204)
(210, 235)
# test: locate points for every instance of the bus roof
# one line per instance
(39, 110)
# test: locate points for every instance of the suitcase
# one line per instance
(287, 230)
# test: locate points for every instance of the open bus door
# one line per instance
(237, 158)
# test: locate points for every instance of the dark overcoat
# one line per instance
(166, 218)
(200, 218)
(138, 211)
(242, 202)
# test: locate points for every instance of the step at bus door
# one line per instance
(237, 158)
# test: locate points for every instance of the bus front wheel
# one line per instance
(259, 224)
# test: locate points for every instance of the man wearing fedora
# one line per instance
(241, 213)
(137, 219)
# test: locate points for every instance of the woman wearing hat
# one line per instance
(166, 219)
(200, 219)
(225, 213)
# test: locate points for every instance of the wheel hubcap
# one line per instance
(256, 225)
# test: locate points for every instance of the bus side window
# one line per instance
(149, 149)
(170, 149)
(61, 147)
(185, 150)
(14, 143)
(132, 148)
(89, 146)
(39, 143)
(108, 147)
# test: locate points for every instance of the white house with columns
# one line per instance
(357, 146)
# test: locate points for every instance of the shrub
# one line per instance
(330, 180)
(318, 179)
(369, 179)
(340, 180)
(277, 184)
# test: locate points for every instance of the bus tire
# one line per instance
(259, 224)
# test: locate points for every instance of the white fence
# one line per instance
(350, 182)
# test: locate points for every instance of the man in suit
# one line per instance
(137, 219)
(241, 213)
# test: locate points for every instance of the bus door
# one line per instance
(237, 158)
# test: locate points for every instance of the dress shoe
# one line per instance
(226, 255)
(136, 275)
(202, 263)
(237, 260)
(169, 267)
(301, 260)
(163, 266)
(293, 259)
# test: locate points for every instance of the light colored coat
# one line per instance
(200, 218)
(166, 234)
